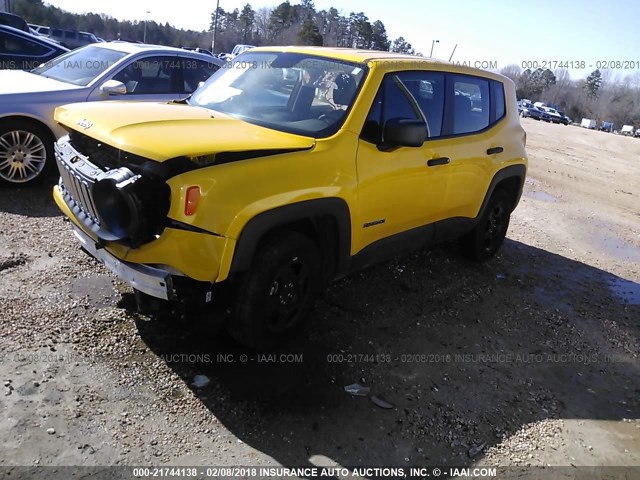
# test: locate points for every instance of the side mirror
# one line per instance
(113, 87)
(403, 132)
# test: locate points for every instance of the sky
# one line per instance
(488, 34)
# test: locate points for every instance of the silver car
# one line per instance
(103, 71)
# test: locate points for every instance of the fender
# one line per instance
(263, 223)
(519, 171)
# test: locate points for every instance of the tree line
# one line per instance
(284, 24)
(601, 96)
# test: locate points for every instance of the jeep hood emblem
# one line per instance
(84, 123)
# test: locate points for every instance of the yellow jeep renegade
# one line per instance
(289, 167)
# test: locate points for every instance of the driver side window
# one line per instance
(152, 75)
(415, 95)
(390, 102)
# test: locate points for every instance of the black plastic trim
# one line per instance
(177, 225)
(434, 233)
(263, 223)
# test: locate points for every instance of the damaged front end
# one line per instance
(118, 203)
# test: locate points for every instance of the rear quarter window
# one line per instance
(471, 105)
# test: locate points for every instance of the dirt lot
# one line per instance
(531, 358)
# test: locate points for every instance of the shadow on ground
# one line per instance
(466, 354)
(31, 201)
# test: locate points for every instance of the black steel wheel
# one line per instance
(488, 235)
(274, 299)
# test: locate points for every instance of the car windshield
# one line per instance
(290, 92)
(81, 66)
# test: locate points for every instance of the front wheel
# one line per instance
(26, 153)
(488, 235)
(275, 297)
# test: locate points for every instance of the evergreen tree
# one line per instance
(593, 83)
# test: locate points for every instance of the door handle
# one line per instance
(494, 150)
(438, 161)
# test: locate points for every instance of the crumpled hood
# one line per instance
(161, 131)
(17, 81)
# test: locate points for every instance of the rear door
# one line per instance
(474, 106)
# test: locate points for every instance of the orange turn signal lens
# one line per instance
(192, 201)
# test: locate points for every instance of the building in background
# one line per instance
(5, 6)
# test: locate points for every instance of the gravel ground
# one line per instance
(528, 359)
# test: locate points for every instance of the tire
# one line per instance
(274, 299)
(26, 153)
(488, 235)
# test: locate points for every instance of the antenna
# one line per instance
(454, 51)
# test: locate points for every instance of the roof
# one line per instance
(30, 36)
(349, 54)
(130, 47)
(387, 60)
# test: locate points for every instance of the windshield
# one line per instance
(291, 92)
(81, 66)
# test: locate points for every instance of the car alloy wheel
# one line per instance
(23, 156)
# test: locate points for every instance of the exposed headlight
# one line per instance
(130, 206)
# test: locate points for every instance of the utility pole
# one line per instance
(454, 51)
(432, 43)
(146, 19)
(215, 27)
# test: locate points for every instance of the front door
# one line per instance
(405, 188)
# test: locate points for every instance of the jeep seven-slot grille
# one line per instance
(76, 188)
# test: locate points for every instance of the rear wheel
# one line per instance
(274, 299)
(488, 235)
(26, 153)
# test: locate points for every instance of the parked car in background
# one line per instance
(102, 71)
(237, 50)
(39, 29)
(24, 51)
(198, 49)
(588, 123)
(528, 110)
(544, 116)
(11, 20)
(637, 134)
(554, 115)
(564, 119)
(72, 38)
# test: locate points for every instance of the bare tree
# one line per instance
(512, 71)
(261, 21)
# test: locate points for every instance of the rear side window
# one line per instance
(14, 45)
(194, 72)
(471, 105)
